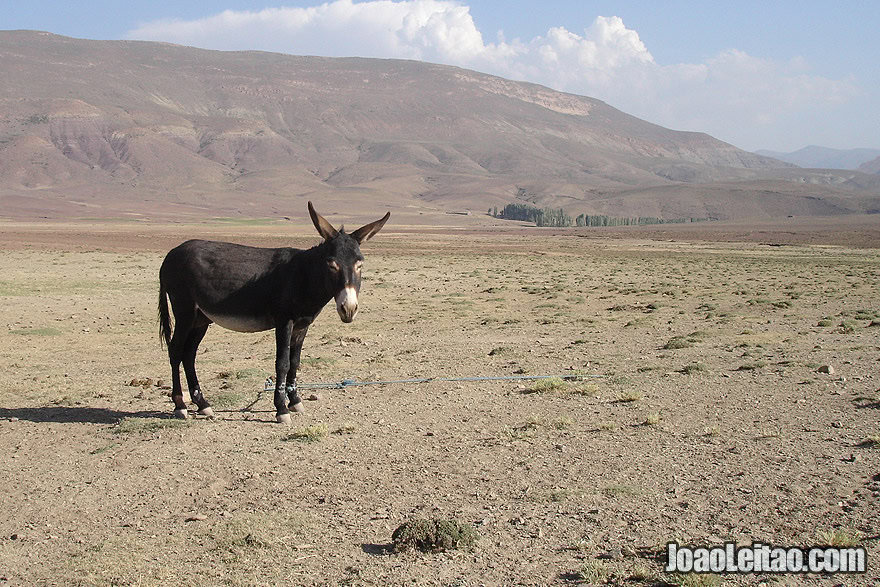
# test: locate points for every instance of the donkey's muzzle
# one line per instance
(347, 303)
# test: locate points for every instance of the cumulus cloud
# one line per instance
(732, 95)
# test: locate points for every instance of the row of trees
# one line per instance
(540, 216)
(558, 217)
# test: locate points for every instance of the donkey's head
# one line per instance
(344, 260)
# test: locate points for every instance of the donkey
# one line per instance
(251, 289)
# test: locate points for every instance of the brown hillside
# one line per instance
(114, 128)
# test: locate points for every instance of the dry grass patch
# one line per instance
(842, 537)
(549, 385)
(308, 434)
(144, 425)
(630, 396)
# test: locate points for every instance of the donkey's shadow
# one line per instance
(85, 415)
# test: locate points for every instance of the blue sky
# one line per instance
(780, 75)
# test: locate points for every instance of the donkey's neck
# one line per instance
(318, 288)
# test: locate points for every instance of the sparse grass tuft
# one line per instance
(308, 434)
(586, 390)
(642, 573)
(595, 572)
(620, 490)
(652, 419)
(317, 362)
(866, 315)
(630, 395)
(225, 400)
(683, 342)
(562, 423)
(843, 537)
(248, 373)
(238, 537)
(752, 366)
(694, 368)
(140, 425)
(552, 384)
(677, 342)
(848, 327)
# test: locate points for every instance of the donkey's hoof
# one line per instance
(207, 412)
(298, 407)
(283, 418)
(181, 414)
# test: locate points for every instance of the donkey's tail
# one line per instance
(164, 316)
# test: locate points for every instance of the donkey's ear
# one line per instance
(365, 232)
(325, 229)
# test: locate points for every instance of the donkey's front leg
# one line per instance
(300, 329)
(282, 366)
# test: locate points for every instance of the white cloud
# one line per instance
(733, 95)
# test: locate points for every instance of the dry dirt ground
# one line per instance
(710, 422)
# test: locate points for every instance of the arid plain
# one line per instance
(703, 415)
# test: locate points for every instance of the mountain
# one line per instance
(825, 158)
(118, 128)
(872, 166)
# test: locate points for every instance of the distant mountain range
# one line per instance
(825, 158)
(124, 128)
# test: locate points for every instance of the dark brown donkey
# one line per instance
(250, 289)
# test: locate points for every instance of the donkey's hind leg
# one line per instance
(184, 315)
(189, 365)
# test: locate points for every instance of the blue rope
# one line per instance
(270, 384)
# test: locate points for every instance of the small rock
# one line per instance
(614, 553)
(315, 397)
(826, 369)
(197, 518)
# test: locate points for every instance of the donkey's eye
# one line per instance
(334, 266)
(358, 265)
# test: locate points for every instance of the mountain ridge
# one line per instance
(154, 129)
(815, 156)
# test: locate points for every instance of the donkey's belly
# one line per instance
(241, 323)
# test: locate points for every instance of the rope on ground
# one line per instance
(270, 381)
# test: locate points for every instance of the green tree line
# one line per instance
(558, 217)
